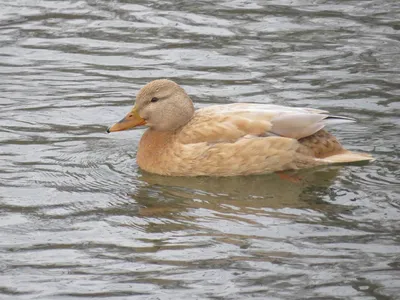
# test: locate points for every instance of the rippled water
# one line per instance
(80, 220)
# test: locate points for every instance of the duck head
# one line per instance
(161, 104)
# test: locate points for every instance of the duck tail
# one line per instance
(348, 157)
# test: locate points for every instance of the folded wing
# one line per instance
(228, 123)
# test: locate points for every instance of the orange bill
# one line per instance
(131, 120)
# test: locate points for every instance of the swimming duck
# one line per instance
(230, 139)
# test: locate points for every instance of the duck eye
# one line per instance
(154, 99)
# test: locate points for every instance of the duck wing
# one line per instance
(230, 122)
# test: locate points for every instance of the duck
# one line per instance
(234, 139)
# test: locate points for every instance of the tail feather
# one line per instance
(348, 157)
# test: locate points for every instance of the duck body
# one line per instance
(232, 139)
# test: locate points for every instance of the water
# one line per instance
(79, 220)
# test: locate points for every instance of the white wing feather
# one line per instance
(232, 121)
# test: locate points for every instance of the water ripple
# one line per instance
(75, 206)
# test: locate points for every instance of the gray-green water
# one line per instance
(79, 220)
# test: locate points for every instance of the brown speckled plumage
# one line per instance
(322, 144)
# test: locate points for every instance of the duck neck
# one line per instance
(152, 146)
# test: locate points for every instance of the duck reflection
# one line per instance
(164, 196)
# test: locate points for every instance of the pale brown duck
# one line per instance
(229, 140)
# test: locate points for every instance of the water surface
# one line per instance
(80, 220)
